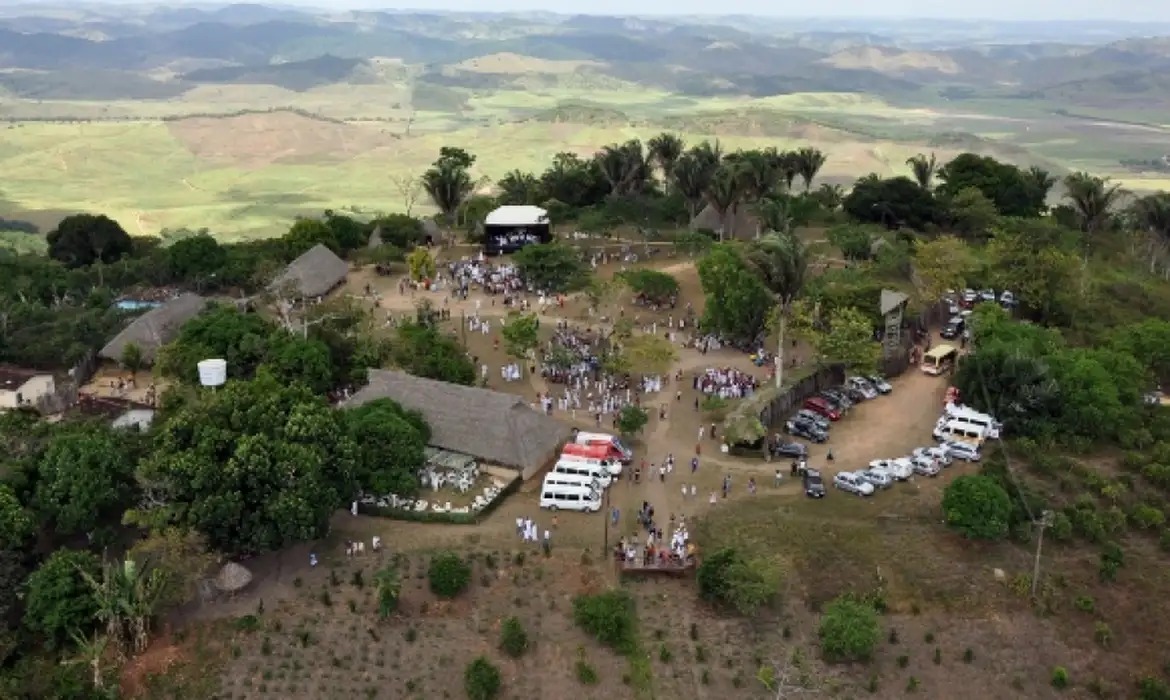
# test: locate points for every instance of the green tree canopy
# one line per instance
(390, 444)
(1014, 192)
(422, 350)
(849, 630)
(59, 601)
(631, 420)
(978, 507)
(253, 466)
(521, 333)
(85, 476)
(654, 286)
(737, 302)
(83, 239)
(892, 202)
(849, 339)
(197, 258)
(552, 267)
(16, 523)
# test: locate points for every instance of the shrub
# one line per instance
(903, 661)
(729, 578)
(448, 575)
(937, 656)
(1102, 635)
(586, 674)
(1147, 517)
(609, 617)
(481, 680)
(978, 507)
(1150, 688)
(513, 638)
(968, 655)
(849, 630)
(1085, 603)
(1060, 678)
(1112, 559)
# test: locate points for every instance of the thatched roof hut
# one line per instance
(232, 577)
(314, 273)
(489, 425)
(741, 223)
(155, 328)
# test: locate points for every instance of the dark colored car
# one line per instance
(818, 420)
(837, 400)
(814, 485)
(821, 407)
(790, 449)
(954, 328)
(807, 429)
(854, 395)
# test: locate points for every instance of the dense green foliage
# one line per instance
(728, 577)
(448, 574)
(610, 617)
(389, 443)
(58, 600)
(977, 506)
(481, 679)
(849, 630)
(513, 638)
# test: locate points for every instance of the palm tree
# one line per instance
(128, 597)
(1093, 199)
(1151, 214)
(691, 180)
(518, 187)
(665, 150)
(724, 192)
(624, 167)
(809, 162)
(775, 214)
(1041, 180)
(89, 653)
(759, 174)
(830, 196)
(448, 185)
(389, 584)
(789, 168)
(924, 168)
(781, 260)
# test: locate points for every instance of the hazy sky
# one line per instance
(1135, 10)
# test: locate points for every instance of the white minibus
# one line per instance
(969, 415)
(595, 471)
(581, 498)
(555, 479)
(612, 466)
(960, 431)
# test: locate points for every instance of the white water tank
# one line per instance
(213, 372)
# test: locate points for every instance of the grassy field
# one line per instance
(247, 175)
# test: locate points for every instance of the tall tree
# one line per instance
(448, 182)
(789, 168)
(782, 263)
(923, 167)
(691, 180)
(85, 239)
(624, 167)
(665, 150)
(1151, 214)
(724, 192)
(737, 302)
(809, 162)
(1094, 200)
(518, 187)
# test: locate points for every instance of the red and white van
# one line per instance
(614, 449)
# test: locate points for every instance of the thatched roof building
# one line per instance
(741, 223)
(314, 274)
(488, 425)
(155, 328)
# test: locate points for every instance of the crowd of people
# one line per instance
(655, 550)
(726, 383)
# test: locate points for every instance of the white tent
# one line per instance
(517, 215)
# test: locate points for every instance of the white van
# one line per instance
(554, 479)
(612, 466)
(969, 415)
(960, 431)
(593, 471)
(580, 498)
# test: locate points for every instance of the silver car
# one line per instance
(925, 466)
(853, 483)
(938, 454)
(961, 450)
(880, 478)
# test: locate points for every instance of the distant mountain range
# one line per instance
(110, 52)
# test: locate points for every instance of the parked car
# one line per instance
(790, 449)
(852, 483)
(820, 406)
(862, 385)
(880, 478)
(954, 328)
(882, 386)
(900, 469)
(817, 419)
(814, 485)
(970, 296)
(854, 394)
(987, 294)
(839, 397)
(925, 466)
(802, 428)
(1007, 299)
(961, 450)
(939, 454)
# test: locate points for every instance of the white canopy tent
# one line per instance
(517, 215)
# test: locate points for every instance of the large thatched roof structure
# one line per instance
(232, 577)
(155, 328)
(489, 425)
(313, 274)
(741, 223)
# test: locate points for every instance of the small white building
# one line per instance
(24, 388)
(511, 227)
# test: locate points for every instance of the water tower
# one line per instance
(213, 373)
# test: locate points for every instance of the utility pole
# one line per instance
(1044, 523)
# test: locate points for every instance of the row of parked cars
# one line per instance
(884, 473)
(812, 422)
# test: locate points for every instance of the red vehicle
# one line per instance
(821, 407)
(603, 452)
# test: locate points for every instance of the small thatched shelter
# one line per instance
(232, 578)
(489, 425)
(314, 274)
(155, 328)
